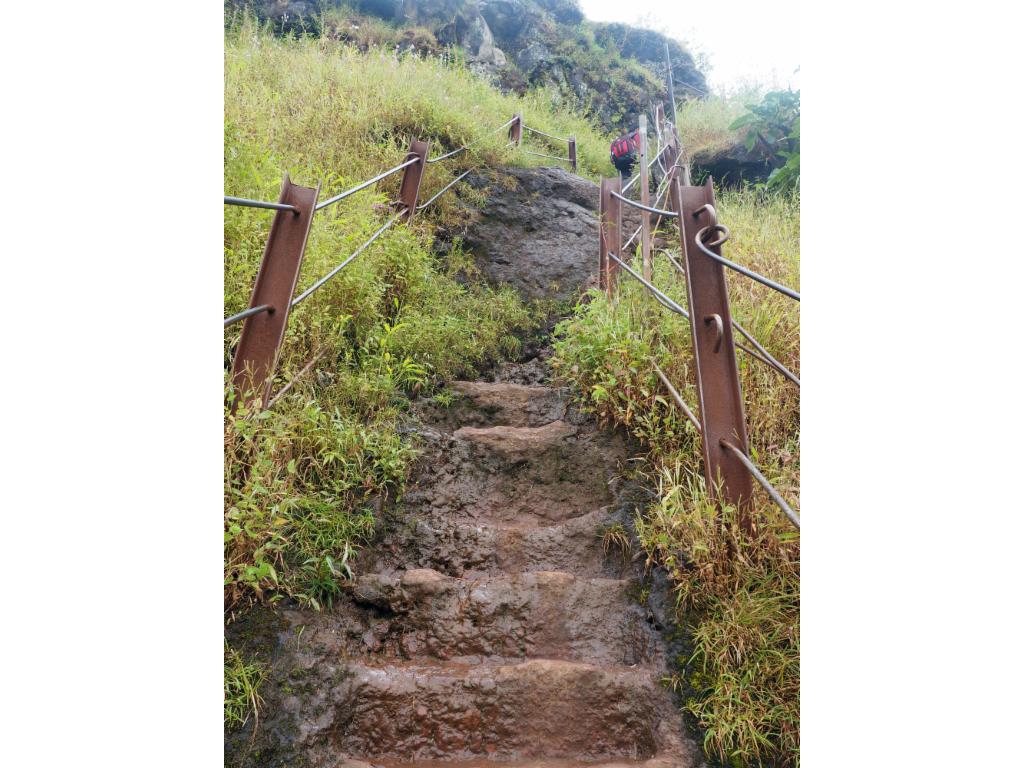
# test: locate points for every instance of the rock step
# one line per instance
(463, 548)
(537, 709)
(507, 474)
(546, 614)
(655, 762)
(480, 403)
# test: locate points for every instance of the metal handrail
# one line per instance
(541, 133)
(661, 297)
(550, 157)
(247, 313)
(752, 468)
(737, 267)
(246, 203)
(444, 189)
(677, 397)
(464, 147)
(642, 207)
(331, 201)
(319, 283)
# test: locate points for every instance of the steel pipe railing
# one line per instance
(756, 473)
(541, 133)
(464, 147)
(319, 283)
(247, 313)
(677, 397)
(359, 187)
(445, 188)
(738, 267)
(246, 203)
(642, 207)
(550, 157)
(661, 297)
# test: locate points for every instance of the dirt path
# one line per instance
(490, 627)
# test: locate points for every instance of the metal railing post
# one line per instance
(515, 131)
(718, 382)
(411, 177)
(610, 230)
(258, 346)
(572, 153)
(645, 198)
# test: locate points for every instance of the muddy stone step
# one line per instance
(550, 615)
(538, 709)
(481, 403)
(507, 474)
(465, 548)
(655, 762)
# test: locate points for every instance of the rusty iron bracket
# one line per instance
(515, 131)
(411, 177)
(645, 199)
(262, 334)
(572, 153)
(610, 229)
(718, 382)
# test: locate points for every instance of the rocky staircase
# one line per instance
(489, 626)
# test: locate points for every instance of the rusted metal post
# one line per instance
(411, 177)
(610, 230)
(645, 198)
(515, 131)
(256, 355)
(718, 382)
(572, 152)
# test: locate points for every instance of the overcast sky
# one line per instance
(744, 40)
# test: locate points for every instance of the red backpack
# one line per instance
(625, 145)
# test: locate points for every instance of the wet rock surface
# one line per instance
(488, 625)
(537, 230)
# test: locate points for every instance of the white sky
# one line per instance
(744, 40)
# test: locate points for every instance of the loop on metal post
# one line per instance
(721, 228)
(719, 329)
(711, 212)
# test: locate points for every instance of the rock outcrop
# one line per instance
(537, 231)
(612, 71)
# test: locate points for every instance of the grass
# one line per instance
(241, 689)
(704, 123)
(739, 596)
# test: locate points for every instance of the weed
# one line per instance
(615, 538)
(241, 688)
(739, 594)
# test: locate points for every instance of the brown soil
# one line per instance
(489, 627)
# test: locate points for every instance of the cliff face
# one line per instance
(612, 72)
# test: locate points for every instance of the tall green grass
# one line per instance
(704, 123)
(739, 595)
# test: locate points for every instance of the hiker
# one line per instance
(624, 152)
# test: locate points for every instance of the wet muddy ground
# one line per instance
(488, 626)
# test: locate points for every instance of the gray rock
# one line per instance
(537, 231)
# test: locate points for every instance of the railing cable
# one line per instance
(464, 147)
(246, 203)
(752, 468)
(309, 291)
(444, 189)
(661, 297)
(247, 313)
(768, 357)
(737, 267)
(642, 207)
(359, 187)
(677, 397)
(550, 157)
(541, 133)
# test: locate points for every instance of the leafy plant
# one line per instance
(774, 124)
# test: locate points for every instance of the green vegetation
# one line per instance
(774, 124)
(302, 480)
(241, 688)
(739, 595)
(705, 124)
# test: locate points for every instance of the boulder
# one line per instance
(537, 231)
